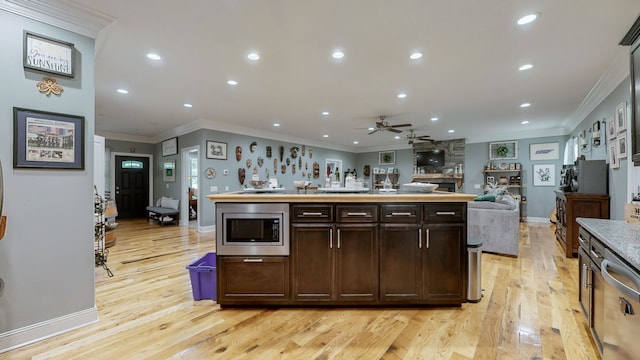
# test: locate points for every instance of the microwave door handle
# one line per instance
(623, 288)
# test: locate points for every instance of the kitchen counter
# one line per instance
(371, 196)
(619, 236)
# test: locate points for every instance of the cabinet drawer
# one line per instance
(253, 277)
(357, 213)
(445, 212)
(401, 213)
(596, 251)
(584, 239)
(311, 213)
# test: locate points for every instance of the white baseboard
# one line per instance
(205, 229)
(537, 219)
(46, 329)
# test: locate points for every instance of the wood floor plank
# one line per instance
(529, 310)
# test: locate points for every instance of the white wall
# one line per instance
(46, 256)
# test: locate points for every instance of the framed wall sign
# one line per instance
(544, 175)
(46, 54)
(169, 170)
(546, 151)
(216, 150)
(47, 140)
(170, 147)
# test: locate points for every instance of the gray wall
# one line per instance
(46, 256)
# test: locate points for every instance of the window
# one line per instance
(132, 164)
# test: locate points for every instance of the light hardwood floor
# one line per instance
(529, 311)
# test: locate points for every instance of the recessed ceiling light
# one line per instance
(434, 118)
(253, 56)
(452, 131)
(123, 91)
(397, 137)
(325, 136)
(525, 67)
(356, 142)
(415, 56)
(524, 105)
(153, 56)
(338, 54)
(276, 124)
(525, 122)
(232, 82)
(325, 113)
(371, 129)
(527, 19)
(188, 105)
(402, 96)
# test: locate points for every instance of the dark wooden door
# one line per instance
(132, 186)
(444, 265)
(357, 262)
(313, 265)
(400, 262)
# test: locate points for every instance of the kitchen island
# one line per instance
(341, 249)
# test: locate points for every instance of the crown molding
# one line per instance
(65, 14)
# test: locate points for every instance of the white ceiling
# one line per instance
(468, 76)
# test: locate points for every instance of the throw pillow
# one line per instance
(507, 200)
(486, 197)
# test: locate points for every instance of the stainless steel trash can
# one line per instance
(474, 257)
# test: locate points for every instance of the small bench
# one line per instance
(159, 213)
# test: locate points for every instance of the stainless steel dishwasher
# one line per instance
(622, 304)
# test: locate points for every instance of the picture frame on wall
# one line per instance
(544, 175)
(621, 117)
(621, 146)
(503, 150)
(545, 151)
(386, 157)
(48, 140)
(169, 171)
(170, 147)
(613, 156)
(216, 150)
(47, 54)
(611, 128)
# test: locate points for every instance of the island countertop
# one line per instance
(313, 196)
(619, 236)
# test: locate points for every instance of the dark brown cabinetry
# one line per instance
(591, 284)
(570, 206)
(243, 279)
(444, 265)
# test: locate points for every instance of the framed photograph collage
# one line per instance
(617, 135)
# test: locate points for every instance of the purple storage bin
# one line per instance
(203, 277)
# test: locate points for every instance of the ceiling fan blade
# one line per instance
(394, 130)
(373, 131)
(401, 125)
(426, 137)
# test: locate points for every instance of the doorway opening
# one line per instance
(190, 204)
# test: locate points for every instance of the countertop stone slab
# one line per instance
(619, 236)
(372, 196)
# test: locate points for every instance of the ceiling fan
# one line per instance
(385, 126)
(413, 137)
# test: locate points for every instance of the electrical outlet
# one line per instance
(213, 189)
(476, 186)
(226, 188)
(225, 172)
(167, 186)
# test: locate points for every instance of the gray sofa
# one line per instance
(496, 224)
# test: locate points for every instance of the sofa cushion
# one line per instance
(487, 205)
(486, 197)
(507, 200)
(169, 203)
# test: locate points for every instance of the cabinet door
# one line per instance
(597, 306)
(444, 263)
(400, 262)
(584, 289)
(242, 278)
(313, 265)
(357, 262)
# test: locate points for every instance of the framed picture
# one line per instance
(611, 128)
(169, 170)
(216, 150)
(546, 151)
(170, 147)
(544, 175)
(387, 157)
(613, 156)
(503, 150)
(621, 117)
(44, 139)
(47, 54)
(621, 146)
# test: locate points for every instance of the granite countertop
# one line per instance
(313, 196)
(619, 236)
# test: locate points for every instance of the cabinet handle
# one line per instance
(330, 238)
(595, 254)
(252, 260)
(400, 214)
(585, 274)
(582, 241)
(449, 213)
(358, 214)
(311, 214)
(338, 238)
(419, 238)
(427, 238)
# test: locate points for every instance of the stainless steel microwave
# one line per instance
(252, 229)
